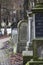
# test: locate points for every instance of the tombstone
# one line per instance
(38, 31)
(15, 39)
(38, 49)
(22, 35)
(34, 62)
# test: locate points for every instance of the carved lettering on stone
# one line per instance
(23, 32)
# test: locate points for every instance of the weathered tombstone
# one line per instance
(15, 39)
(15, 36)
(38, 31)
(38, 49)
(34, 63)
(22, 35)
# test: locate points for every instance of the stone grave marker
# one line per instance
(38, 31)
(22, 35)
(38, 49)
(15, 39)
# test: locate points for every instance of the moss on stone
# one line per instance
(34, 62)
(38, 8)
(26, 59)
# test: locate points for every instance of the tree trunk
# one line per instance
(25, 8)
(0, 15)
(5, 30)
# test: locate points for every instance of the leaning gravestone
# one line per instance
(22, 35)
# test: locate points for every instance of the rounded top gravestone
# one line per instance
(22, 35)
(22, 26)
